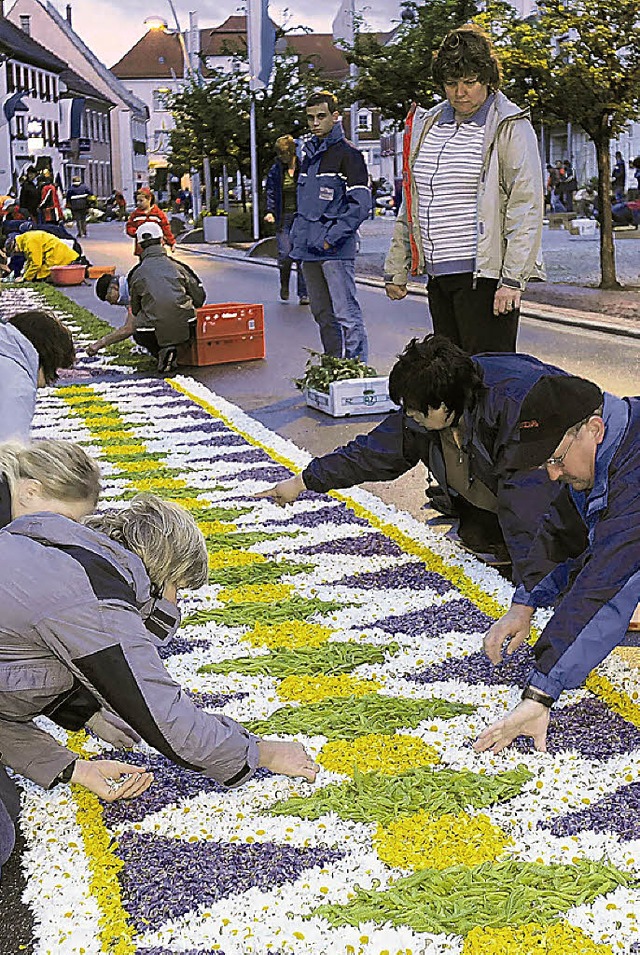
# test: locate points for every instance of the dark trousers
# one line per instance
(148, 339)
(465, 314)
(80, 219)
(285, 262)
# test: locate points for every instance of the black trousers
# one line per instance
(465, 314)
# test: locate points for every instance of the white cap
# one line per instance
(148, 230)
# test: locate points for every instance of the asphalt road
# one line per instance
(265, 389)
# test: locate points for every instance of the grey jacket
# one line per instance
(509, 200)
(19, 364)
(164, 296)
(80, 632)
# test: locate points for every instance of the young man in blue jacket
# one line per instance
(333, 200)
(585, 560)
(459, 416)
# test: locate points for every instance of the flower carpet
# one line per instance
(348, 625)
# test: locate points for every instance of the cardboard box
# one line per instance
(225, 333)
(353, 396)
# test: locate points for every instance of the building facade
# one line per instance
(129, 115)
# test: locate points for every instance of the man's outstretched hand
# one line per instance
(287, 758)
(528, 719)
(514, 626)
(286, 492)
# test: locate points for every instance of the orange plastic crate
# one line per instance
(225, 333)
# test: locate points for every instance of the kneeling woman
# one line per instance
(104, 602)
(41, 481)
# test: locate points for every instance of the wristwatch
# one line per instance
(530, 693)
(65, 775)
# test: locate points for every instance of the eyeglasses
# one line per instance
(558, 460)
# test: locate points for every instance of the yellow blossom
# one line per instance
(234, 558)
(255, 593)
(558, 939)
(310, 689)
(289, 635)
(374, 752)
(422, 841)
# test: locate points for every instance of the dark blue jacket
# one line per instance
(275, 180)
(333, 199)
(587, 556)
(490, 430)
(78, 198)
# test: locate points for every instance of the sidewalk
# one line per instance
(562, 299)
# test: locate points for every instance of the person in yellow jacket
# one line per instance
(41, 251)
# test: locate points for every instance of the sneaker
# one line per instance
(303, 300)
(167, 360)
(284, 293)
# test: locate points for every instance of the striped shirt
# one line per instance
(446, 172)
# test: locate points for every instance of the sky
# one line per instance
(111, 27)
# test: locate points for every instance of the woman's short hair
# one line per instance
(51, 339)
(435, 372)
(285, 146)
(466, 53)
(64, 469)
(163, 535)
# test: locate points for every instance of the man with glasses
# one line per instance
(585, 560)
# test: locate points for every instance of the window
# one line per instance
(364, 121)
(11, 83)
(25, 24)
(161, 141)
(21, 130)
(40, 84)
(160, 100)
(47, 87)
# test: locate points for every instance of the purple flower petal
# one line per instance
(460, 615)
(324, 515)
(368, 545)
(477, 668)
(619, 812)
(165, 878)
(412, 576)
(272, 475)
(180, 645)
(591, 729)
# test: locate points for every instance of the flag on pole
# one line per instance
(343, 26)
(261, 41)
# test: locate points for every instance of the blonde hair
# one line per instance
(163, 535)
(64, 469)
(285, 146)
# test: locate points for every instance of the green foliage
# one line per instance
(246, 614)
(330, 659)
(376, 797)
(498, 894)
(321, 370)
(268, 573)
(391, 77)
(352, 716)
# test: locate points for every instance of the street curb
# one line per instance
(579, 320)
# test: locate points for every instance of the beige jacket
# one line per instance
(509, 206)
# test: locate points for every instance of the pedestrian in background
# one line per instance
(568, 185)
(472, 211)
(30, 194)
(282, 184)
(78, 203)
(49, 207)
(618, 178)
(146, 210)
(333, 201)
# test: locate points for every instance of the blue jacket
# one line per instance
(333, 199)
(275, 180)
(490, 432)
(587, 556)
(78, 198)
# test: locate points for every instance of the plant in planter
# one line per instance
(321, 370)
(344, 386)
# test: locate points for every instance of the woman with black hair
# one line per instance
(459, 416)
(33, 346)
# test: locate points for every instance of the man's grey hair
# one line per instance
(163, 535)
(64, 470)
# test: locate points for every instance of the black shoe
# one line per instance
(167, 360)
(284, 293)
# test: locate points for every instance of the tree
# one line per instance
(578, 62)
(212, 115)
(392, 76)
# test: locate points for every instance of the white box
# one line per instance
(585, 228)
(353, 396)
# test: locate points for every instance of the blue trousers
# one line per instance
(285, 262)
(332, 297)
